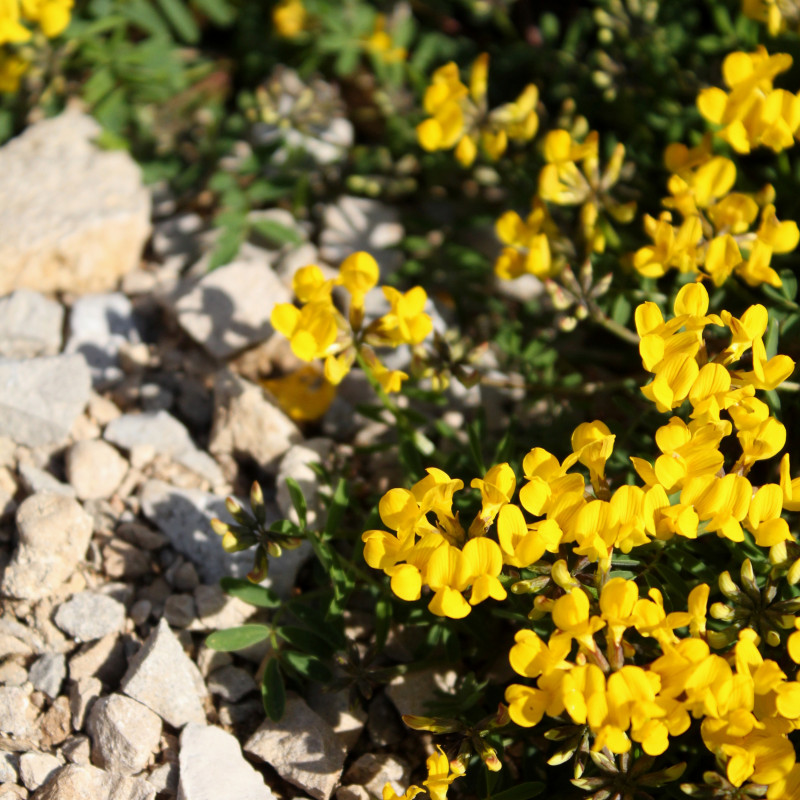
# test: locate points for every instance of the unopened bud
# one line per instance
(230, 544)
(793, 575)
(219, 527)
(728, 587)
(773, 638)
(721, 611)
(502, 718)
(257, 503)
(488, 755)
(274, 549)
(432, 724)
(530, 586)
(778, 553)
(260, 566)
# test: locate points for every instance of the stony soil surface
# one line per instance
(129, 409)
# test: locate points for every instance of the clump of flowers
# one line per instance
(715, 236)
(460, 115)
(289, 18)
(777, 15)
(51, 16)
(753, 113)
(619, 665)
(319, 330)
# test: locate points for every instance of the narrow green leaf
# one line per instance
(181, 19)
(250, 592)
(338, 506)
(328, 627)
(218, 11)
(305, 640)
(274, 232)
(237, 638)
(298, 500)
(474, 431)
(273, 690)
(306, 665)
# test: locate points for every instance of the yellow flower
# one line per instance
(571, 616)
(52, 15)
(11, 29)
(289, 18)
(380, 43)
(406, 322)
(12, 68)
(305, 395)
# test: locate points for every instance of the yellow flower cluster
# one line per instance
(440, 776)
(460, 115)
(753, 113)
(571, 177)
(747, 704)
(715, 235)
(289, 18)
(318, 330)
(51, 15)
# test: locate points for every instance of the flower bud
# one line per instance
(219, 527)
(793, 575)
(728, 587)
(721, 611)
(773, 638)
(559, 572)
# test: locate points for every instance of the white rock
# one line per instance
(73, 218)
(54, 532)
(229, 308)
(302, 748)
(164, 778)
(167, 435)
(231, 683)
(124, 734)
(184, 516)
(374, 771)
(164, 678)
(217, 610)
(30, 325)
(95, 469)
(8, 767)
(76, 782)
(346, 720)
(47, 674)
(212, 767)
(411, 692)
(87, 616)
(36, 768)
(99, 325)
(16, 711)
(41, 397)
(35, 480)
(247, 423)
(296, 464)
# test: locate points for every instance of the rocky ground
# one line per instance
(127, 414)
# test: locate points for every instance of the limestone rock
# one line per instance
(247, 424)
(48, 673)
(229, 308)
(88, 615)
(36, 768)
(41, 397)
(124, 734)
(73, 218)
(164, 678)
(302, 748)
(16, 711)
(54, 532)
(95, 469)
(212, 766)
(30, 325)
(296, 464)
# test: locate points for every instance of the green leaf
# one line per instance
(273, 691)
(237, 638)
(306, 665)
(218, 11)
(383, 621)
(250, 592)
(521, 791)
(474, 431)
(327, 627)
(338, 505)
(305, 640)
(347, 61)
(773, 333)
(788, 284)
(298, 500)
(181, 19)
(274, 232)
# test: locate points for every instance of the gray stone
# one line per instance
(248, 424)
(95, 469)
(82, 695)
(73, 217)
(212, 766)
(231, 683)
(373, 772)
(185, 578)
(346, 719)
(54, 532)
(123, 560)
(99, 325)
(217, 610)
(384, 726)
(229, 308)
(88, 616)
(8, 767)
(352, 792)
(167, 435)
(140, 611)
(184, 516)
(48, 673)
(126, 787)
(412, 692)
(77, 749)
(124, 734)
(302, 748)
(41, 397)
(166, 680)
(30, 325)
(179, 610)
(35, 480)
(164, 778)
(36, 769)
(16, 711)
(296, 464)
